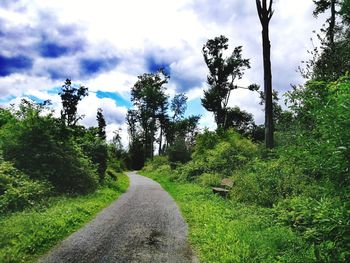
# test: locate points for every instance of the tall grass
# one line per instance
(222, 230)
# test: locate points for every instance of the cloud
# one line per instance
(44, 42)
(154, 64)
(9, 65)
(50, 49)
(91, 66)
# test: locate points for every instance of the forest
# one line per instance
(290, 175)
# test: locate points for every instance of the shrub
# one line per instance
(220, 155)
(37, 147)
(324, 222)
(319, 140)
(17, 191)
(265, 182)
(156, 162)
(207, 179)
(178, 152)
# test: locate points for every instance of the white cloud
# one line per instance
(171, 31)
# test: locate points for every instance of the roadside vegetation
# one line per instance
(290, 198)
(290, 204)
(27, 234)
(55, 175)
(228, 231)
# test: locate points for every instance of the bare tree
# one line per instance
(265, 13)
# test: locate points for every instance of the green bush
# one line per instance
(318, 140)
(37, 146)
(178, 152)
(325, 223)
(265, 182)
(17, 191)
(156, 162)
(220, 155)
(207, 179)
(95, 149)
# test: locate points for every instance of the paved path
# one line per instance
(143, 225)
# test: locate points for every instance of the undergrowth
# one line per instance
(26, 235)
(223, 230)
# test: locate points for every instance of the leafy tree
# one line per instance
(70, 97)
(345, 11)
(265, 13)
(101, 122)
(321, 7)
(149, 98)
(32, 141)
(222, 74)
(332, 59)
(179, 106)
(163, 123)
(240, 120)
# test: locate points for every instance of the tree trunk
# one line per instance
(265, 13)
(160, 141)
(332, 23)
(269, 129)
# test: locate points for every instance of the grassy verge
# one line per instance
(226, 231)
(26, 235)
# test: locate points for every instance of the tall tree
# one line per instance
(223, 71)
(179, 106)
(149, 98)
(101, 122)
(265, 13)
(332, 59)
(321, 7)
(70, 97)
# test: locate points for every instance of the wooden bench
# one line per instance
(226, 185)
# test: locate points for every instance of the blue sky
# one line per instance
(106, 44)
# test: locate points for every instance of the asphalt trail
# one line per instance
(143, 225)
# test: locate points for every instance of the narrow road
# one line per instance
(143, 225)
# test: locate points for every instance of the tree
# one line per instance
(321, 7)
(101, 122)
(70, 97)
(222, 74)
(179, 106)
(265, 13)
(332, 59)
(240, 120)
(345, 11)
(149, 98)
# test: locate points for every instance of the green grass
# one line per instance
(225, 231)
(26, 235)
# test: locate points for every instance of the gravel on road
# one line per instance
(143, 225)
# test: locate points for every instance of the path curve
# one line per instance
(143, 225)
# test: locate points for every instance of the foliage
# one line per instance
(218, 154)
(17, 191)
(267, 182)
(149, 99)
(33, 143)
(28, 234)
(324, 222)
(331, 60)
(179, 106)
(225, 231)
(178, 152)
(101, 124)
(208, 179)
(70, 97)
(222, 74)
(96, 149)
(321, 142)
(240, 120)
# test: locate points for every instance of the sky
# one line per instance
(105, 44)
